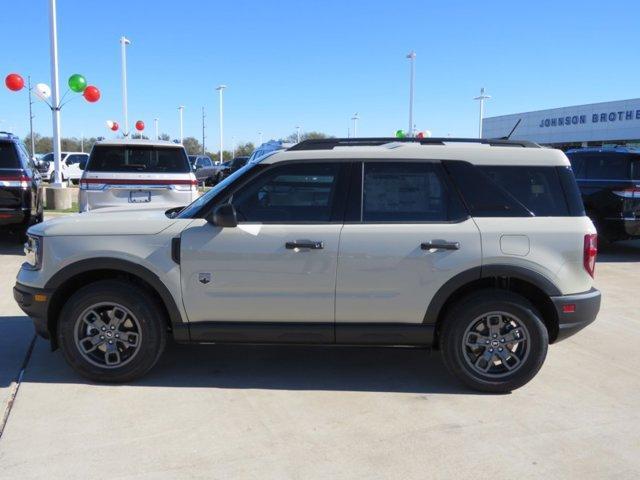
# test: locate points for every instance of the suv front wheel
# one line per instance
(494, 341)
(111, 331)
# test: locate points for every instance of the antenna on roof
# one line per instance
(512, 130)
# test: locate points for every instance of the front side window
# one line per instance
(406, 192)
(294, 193)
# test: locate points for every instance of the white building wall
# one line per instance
(619, 120)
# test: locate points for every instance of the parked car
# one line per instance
(268, 147)
(609, 181)
(481, 251)
(126, 171)
(70, 163)
(206, 170)
(20, 187)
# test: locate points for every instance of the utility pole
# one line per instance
(481, 99)
(203, 126)
(355, 119)
(412, 59)
(33, 142)
(124, 41)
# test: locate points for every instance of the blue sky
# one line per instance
(314, 64)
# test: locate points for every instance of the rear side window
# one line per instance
(8, 156)
(537, 188)
(407, 192)
(145, 159)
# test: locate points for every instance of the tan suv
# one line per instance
(123, 172)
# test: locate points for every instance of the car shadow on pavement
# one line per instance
(619, 252)
(358, 369)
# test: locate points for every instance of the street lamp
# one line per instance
(220, 89)
(55, 92)
(180, 109)
(155, 126)
(298, 134)
(124, 41)
(481, 99)
(260, 137)
(355, 119)
(412, 59)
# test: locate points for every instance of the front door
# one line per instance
(279, 264)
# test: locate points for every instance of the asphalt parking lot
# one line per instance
(267, 412)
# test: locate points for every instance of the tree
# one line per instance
(245, 149)
(306, 136)
(164, 136)
(192, 145)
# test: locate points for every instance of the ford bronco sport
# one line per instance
(479, 248)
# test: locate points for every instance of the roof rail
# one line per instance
(330, 143)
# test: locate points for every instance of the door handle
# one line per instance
(305, 244)
(440, 245)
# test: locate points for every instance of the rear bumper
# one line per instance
(13, 216)
(34, 307)
(586, 306)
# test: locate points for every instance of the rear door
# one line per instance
(406, 236)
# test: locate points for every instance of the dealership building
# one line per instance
(595, 124)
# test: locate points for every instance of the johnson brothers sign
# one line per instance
(601, 117)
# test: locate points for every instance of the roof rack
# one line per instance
(331, 143)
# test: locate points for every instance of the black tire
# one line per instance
(150, 318)
(458, 356)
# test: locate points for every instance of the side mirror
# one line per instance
(224, 216)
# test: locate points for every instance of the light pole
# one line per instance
(203, 137)
(220, 89)
(124, 41)
(33, 142)
(412, 60)
(260, 138)
(355, 119)
(481, 99)
(155, 127)
(180, 109)
(298, 133)
(55, 92)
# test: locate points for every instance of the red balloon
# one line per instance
(140, 125)
(115, 126)
(14, 82)
(91, 94)
(420, 135)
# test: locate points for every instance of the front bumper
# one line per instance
(35, 303)
(575, 312)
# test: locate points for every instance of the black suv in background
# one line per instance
(609, 180)
(20, 187)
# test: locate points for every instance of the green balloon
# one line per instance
(77, 83)
(400, 134)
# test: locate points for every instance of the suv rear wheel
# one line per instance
(111, 331)
(494, 341)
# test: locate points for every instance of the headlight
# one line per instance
(33, 252)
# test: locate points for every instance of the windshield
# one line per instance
(137, 158)
(191, 209)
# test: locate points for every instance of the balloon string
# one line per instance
(65, 94)
(70, 100)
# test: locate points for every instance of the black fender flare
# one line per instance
(487, 271)
(180, 328)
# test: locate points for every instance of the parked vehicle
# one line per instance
(206, 171)
(231, 166)
(126, 171)
(268, 147)
(70, 163)
(609, 181)
(482, 250)
(20, 187)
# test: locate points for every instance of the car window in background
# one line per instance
(73, 159)
(149, 159)
(8, 156)
(604, 166)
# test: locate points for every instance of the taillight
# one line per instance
(190, 185)
(590, 252)
(19, 180)
(631, 192)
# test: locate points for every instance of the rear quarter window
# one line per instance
(145, 159)
(602, 165)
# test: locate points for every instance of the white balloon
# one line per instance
(427, 134)
(109, 124)
(42, 91)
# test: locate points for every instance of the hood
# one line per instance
(106, 221)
